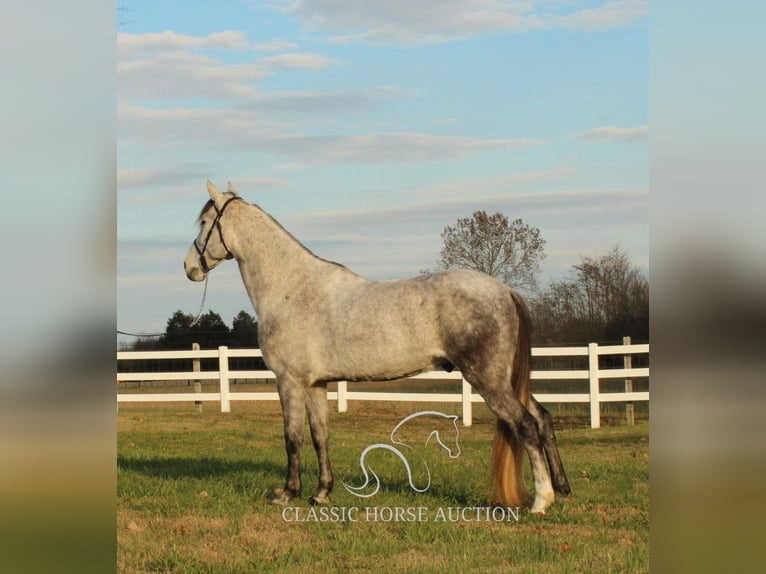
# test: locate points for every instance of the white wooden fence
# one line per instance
(594, 375)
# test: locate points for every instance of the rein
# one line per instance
(203, 263)
(194, 322)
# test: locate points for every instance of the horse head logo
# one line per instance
(452, 446)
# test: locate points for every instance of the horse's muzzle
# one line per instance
(195, 273)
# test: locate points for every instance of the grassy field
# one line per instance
(194, 489)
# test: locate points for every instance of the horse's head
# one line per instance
(448, 437)
(209, 248)
(446, 432)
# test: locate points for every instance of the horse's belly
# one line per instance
(366, 363)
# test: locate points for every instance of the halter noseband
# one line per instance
(216, 224)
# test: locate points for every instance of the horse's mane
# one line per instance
(291, 236)
(210, 203)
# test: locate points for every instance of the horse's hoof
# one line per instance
(316, 499)
(282, 498)
(541, 503)
(538, 507)
(563, 489)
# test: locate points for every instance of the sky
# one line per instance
(366, 127)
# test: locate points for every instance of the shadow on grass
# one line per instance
(622, 439)
(398, 492)
(205, 467)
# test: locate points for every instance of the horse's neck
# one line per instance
(272, 262)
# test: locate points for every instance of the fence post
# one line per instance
(595, 405)
(223, 378)
(628, 364)
(467, 407)
(342, 400)
(197, 383)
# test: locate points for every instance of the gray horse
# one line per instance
(319, 322)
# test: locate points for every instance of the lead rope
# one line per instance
(199, 315)
(202, 304)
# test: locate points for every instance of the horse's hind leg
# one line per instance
(292, 396)
(508, 408)
(316, 406)
(548, 437)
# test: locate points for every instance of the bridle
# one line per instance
(203, 263)
(216, 225)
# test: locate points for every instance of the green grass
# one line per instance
(194, 490)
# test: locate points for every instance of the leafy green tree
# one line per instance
(211, 331)
(178, 332)
(244, 331)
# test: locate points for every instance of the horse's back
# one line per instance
(428, 315)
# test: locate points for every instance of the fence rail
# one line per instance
(593, 374)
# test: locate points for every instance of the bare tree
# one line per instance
(605, 298)
(510, 251)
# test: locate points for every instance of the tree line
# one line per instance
(602, 299)
(210, 331)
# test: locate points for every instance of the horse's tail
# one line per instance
(522, 361)
(506, 470)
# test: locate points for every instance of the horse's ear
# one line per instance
(215, 195)
(230, 188)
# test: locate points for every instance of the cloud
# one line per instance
(615, 134)
(175, 186)
(403, 21)
(568, 207)
(193, 127)
(185, 75)
(404, 147)
(275, 46)
(256, 184)
(323, 103)
(305, 61)
(220, 127)
(152, 42)
(150, 254)
(445, 121)
(611, 15)
(139, 178)
(168, 65)
(484, 185)
(407, 22)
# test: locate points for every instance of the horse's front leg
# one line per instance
(316, 405)
(292, 396)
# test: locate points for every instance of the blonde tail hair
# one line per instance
(506, 470)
